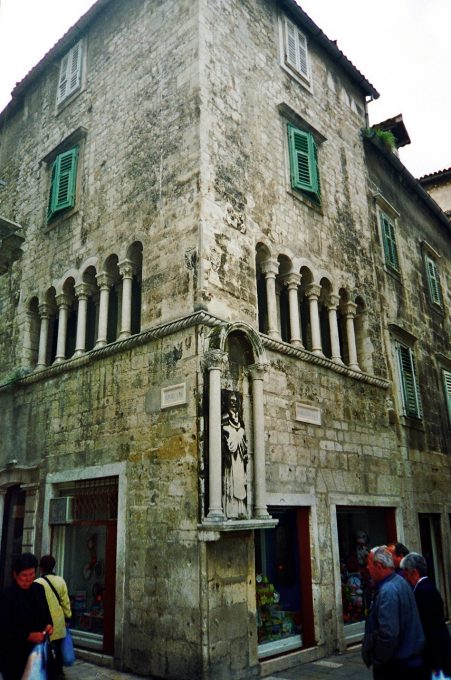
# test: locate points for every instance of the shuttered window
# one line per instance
(303, 162)
(296, 54)
(409, 385)
(447, 386)
(63, 182)
(389, 240)
(433, 281)
(70, 73)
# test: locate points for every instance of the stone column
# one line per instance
(333, 329)
(126, 270)
(44, 313)
(270, 269)
(256, 372)
(292, 282)
(104, 281)
(63, 302)
(214, 361)
(313, 291)
(349, 309)
(82, 292)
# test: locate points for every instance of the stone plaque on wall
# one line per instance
(173, 395)
(308, 414)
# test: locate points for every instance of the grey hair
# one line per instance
(414, 561)
(383, 556)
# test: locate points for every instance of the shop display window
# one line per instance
(359, 530)
(278, 590)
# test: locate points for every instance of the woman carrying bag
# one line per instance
(59, 604)
(25, 618)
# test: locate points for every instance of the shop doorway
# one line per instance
(359, 530)
(85, 548)
(431, 549)
(284, 584)
(12, 532)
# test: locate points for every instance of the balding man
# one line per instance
(394, 638)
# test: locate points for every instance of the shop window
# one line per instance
(359, 530)
(85, 548)
(283, 584)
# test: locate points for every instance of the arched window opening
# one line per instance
(324, 324)
(306, 327)
(261, 257)
(72, 315)
(52, 336)
(342, 334)
(362, 339)
(32, 346)
(135, 255)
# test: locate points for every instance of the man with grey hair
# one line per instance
(431, 610)
(394, 638)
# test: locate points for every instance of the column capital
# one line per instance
(45, 310)
(104, 280)
(269, 267)
(126, 268)
(63, 301)
(82, 290)
(214, 359)
(313, 290)
(333, 301)
(349, 309)
(291, 280)
(257, 371)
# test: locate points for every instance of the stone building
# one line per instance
(438, 185)
(209, 404)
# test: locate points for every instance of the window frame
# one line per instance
(70, 73)
(303, 156)
(391, 256)
(408, 381)
(63, 182)
(296, 54)
(433, 279)
(446, 375)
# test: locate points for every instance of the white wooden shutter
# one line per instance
(70, 72)
(296, 53)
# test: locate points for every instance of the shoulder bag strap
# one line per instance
(53, 588)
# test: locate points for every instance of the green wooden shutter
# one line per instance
(447, 385)
(63, 183)
(303, 161)
(409, 384)
(389, 240)
(433, 281)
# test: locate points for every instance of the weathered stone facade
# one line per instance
(186, 267)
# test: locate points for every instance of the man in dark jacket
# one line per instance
(24, 617)
(394, 638)
(431, 610)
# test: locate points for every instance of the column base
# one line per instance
(59, 360)
(79, 352)
(100, 343)
(297, 343)
(338, 360)
(215, 516)
(355, 367)
(274, 334)
(123, 335)
(318, 352)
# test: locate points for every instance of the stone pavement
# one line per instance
(347, 666)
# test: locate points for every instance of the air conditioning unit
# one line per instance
(61, 510)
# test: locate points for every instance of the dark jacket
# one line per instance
(21, 613)
(393, 630)
(438, 641)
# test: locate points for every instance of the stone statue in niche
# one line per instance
(234, 456)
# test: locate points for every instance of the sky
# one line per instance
(400, 46)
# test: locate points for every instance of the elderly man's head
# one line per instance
(380, 563)
(414, 567)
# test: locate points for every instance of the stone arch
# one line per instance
(219, 334)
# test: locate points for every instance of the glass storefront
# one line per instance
(359, 530)
(279, 594)
(85, 549)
